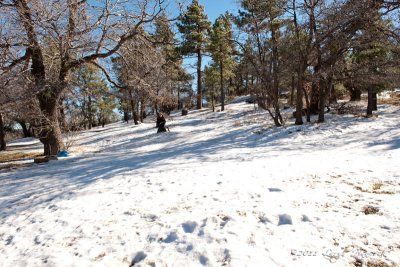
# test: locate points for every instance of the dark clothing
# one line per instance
(161, 124)
(159, 119)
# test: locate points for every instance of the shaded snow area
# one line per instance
(219, 189)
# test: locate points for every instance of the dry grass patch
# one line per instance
(393, 100)
(377, 186)
(376, 189)
(378, 264)
(9, 159)
(14, 156)
(359, 188)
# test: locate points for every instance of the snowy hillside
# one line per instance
(220, 189)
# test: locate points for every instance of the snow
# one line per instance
(220, 189)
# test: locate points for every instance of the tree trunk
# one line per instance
(25, 130)
(322, 97)
(222, 86)
(374, 101)
(213, 102)
(199, 81)
(50, 132)
(300, 70)
(126, 116)
(134, 113)
(3, 144)
(142, 111)
(179, 96)
(370, 101)
(299, 100)
(293, 88)
(274, 94)
(355, 94)
(103, 121)
(315, 98)
(90, 113)
(62, 117)
(308, 110)
(332, 95)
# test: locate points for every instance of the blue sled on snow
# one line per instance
(63, 154)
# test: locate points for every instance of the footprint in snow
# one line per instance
(138, 258)
(284, 219)
(225, 219)
(37, 240)
(9, 240)
(53, 207)
(203, 260)
(304, 218)
(189, 227)
(272, 189)
(172, 237)
(226, 257)
(263, 219)
(150, 217)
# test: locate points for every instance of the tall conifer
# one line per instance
(194, 27)
(222, 49)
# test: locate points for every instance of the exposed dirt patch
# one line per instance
(370, 210)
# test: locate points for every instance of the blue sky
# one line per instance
(214, 8)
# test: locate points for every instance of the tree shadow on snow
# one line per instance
(38, 186)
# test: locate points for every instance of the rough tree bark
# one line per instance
(50, 131)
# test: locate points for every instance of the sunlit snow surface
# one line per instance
(220, 189)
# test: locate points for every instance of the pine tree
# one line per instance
(164, 38)
(222, 49)
(88, 78)
(194, 27)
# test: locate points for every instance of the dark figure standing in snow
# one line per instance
(161, 123)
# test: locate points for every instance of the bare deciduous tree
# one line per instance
(56, 37)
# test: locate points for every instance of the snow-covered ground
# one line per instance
(220, 189)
